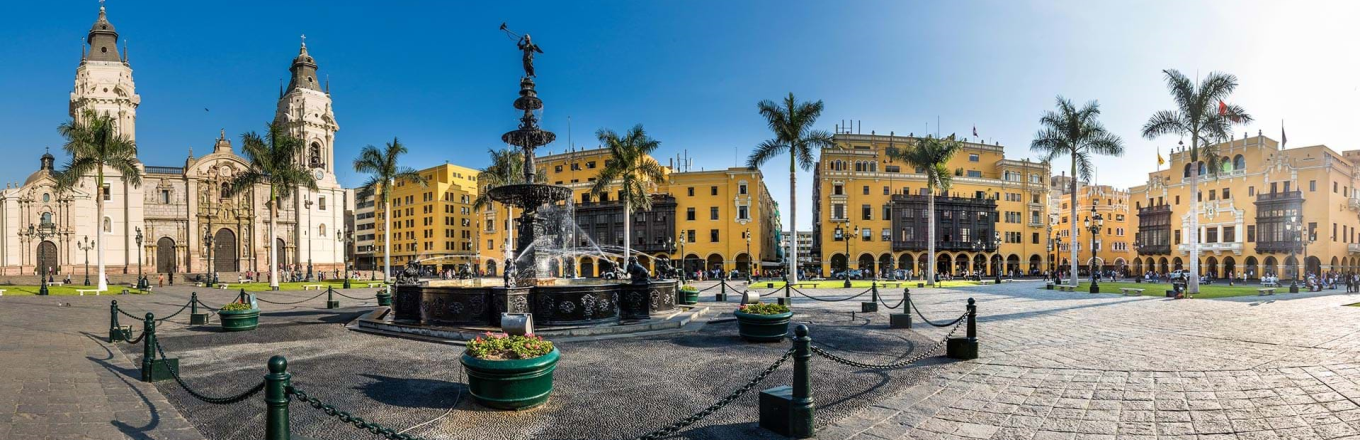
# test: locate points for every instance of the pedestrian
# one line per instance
(160, 280)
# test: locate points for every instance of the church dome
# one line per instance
(102, 25)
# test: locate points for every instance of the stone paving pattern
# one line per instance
(1053, 366)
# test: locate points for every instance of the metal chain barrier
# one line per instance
(885, 303)
(709, 288)
(895, 365)
(345, 417)
(337, 292)
(289, 303)
(696, 417)
(800, 292)
(127, 336)
(213, 400)
(947, 324)
(172, 315)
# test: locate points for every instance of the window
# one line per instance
(741, 189)
(887, 212)
(866, 212)
(689, 214)
(713, 190)
(973, 158)
(836, 190)
(590, 164)
(1251, 191)
(1035, 238)
(838, 211)
(1334, 187)
(321, 204)
(1312, 186)
(713, 235)
(1178, 236)
(321, 229)
(1213, 194)
(165, 196)
(887, 190)
(866, 190)
(866, 234)
(713, 213)
(691, 192)
(1225, 194)
(743, 213)
(108, 225)
(691, 236)
(887, 234)
(974, 173)
(1211, 235)
(107, 195)
(1251, 233)
(557, 169)
(1178, 200)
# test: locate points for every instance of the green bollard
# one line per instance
(787, 300)
(276, 385)
(115, 330)
(870, 306)
(965, 348)
(903, 319)
(196, 318)
(788, 410)
(154, 369)
(331, 303)
(722, 294)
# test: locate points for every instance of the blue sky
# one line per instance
(441, 77)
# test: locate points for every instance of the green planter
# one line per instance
(512, 384)
(689, 297)
(384, 299)
(239, 320)
(763, 328)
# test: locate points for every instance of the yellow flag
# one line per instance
(1160, 161)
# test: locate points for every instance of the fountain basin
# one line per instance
(565, 303)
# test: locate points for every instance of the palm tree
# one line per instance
(383, 175)
(95, 143)
(791, 123)
(630, 167)
(1076, 132)
(1201, 115)
(274, 162)
(930, 155)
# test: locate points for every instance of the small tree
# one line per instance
(631, 168)
(94, 142)
(273, 161)
(383, 174)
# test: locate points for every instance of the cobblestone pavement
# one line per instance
(1081, 366)
(1053, 366)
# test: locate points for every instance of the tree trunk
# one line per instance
(793, 221)
(387, 230)
(1192, 286)
(627, 229)
(99, 224)
(273, 241)
(1072, 242)
(930, 234)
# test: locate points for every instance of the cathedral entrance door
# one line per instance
(47, 258)
(224, 251)
(165, 255)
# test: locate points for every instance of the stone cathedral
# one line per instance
(179, 208)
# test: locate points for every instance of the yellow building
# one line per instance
(433, 224)
(1245, 211)
(713, 209)
(861, 193)
(1113, 245)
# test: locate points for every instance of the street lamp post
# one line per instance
(85, 244)
(141, 283)
(1057, 249)
(843, 234)
(346, 240)
(1094, 223)
(683, 268)
(996, 254)
(748, 256)
(1294, 226)
(208, 243)
(41, 232)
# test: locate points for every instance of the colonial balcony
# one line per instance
(1155, 249)
(1235, 248)
(1287, 195)
(1270, 247)
(1353, 248)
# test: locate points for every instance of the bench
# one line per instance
(1130, 291)
(82, 292)
(311, 286)
(1270, 284)
(1265, 291)
(223, 286)
(2, 292)
(372, 285)
(1067, 288)
(55, 283)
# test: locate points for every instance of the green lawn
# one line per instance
(264, 286)
(1205, 291)
(70, 289)
(865, 284)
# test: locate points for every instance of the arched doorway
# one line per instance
(1230, 267)
(587, 267)
(1012, 264)
(1035, 261)
(1271, 267)
(866, 265)
(1335, 265)
(942, 263)
(281, 250)
(1176, 264)
(165, 255)
(47, 258)
(691, 264)
(1291, 268)
(1211, 267)
(1137, 267)
(905, 262)
(491, 268)
(715, 262)
(743, 264)
(960, 264)
(1162, 267)
(1253, 271)
(1312, 266)
(922, 263)
(885, 266)
(224, 251)
(1120, 266)
(979, 264)
(837, 263)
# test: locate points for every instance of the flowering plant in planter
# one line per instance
(764, 309)
(500, 346)
(688, 288)
(235, 307)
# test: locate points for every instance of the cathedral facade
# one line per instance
(186, 221)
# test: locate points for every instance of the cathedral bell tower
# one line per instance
(104, 79)
(305, 111)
